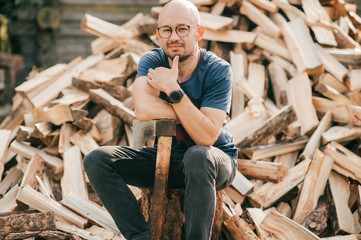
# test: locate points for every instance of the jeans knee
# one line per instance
(196, 161)
(93, 161)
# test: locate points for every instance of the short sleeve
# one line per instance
(218, 90)
(151, 59)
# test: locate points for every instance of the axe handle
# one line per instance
(159, 196)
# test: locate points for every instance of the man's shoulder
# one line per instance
(211, 58)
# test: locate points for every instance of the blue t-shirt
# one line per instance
(209, 86)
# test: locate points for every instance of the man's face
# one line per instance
(175, 45)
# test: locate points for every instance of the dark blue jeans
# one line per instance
(200, 170)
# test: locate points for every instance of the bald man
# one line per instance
(193, 86)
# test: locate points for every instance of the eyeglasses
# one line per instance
(181, 30)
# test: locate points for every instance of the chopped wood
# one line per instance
(342, 218)
(112, 105)
(28, 152)
(353, 80)
(43, 203)
(242, 184)
(215, 22)
(299, 95)
(272, 45)
(285, 228)
(257, 78)
(69, 228)
(269, 128)
(8, 201)
(341, 134)
(27, 221)
(313, 186)
(12, 178)
(279, 81)
(333, 82)
(73, 173)
(301, 47)
(53, 90)
(315, 140)
(230, 36)
(270, 192)
(347, 163)
(36, 167)
(239, 229)
(238, 62)
(267, 171)
(332, 93)
(89, 210)
(273, 149)
(85, 142)
(256, 16)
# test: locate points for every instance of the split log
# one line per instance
(73, 173)
(347, 163)
(112, 105)
(301, 47)
(342, 113)
(35, 168)
(71, 229)
(230, 36)
(313, 186)
(284, 228)
(315, 140)
(12, 178)
(242, 184)
(108, 127)
(279, 81)
(341, 215)
(273, 149)
(26, 221)
(257, 79)
(272, 45)
(8, 201)
(267, 171)
(269, 128)
(238, 62)
(66, 131)
(28, 152)
(331, 64)
(103, 233)
(248, 121)
(257, 215)
(353, 80)
(318, 220)
(215, 22)
(341, 134)
(90, 210)
(43, 203)
(73, 97)
(239, 229)
(266, 5)
(269, 193)
(256, 16)
(330, 80)
(85, 142)
(53, 90)
(332, 93)
(299, 95)
(287, 159)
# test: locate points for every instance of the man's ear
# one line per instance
(201, 31)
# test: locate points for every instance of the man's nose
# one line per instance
(174, 35)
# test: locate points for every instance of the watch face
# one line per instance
(175, 96)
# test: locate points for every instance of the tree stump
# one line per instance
(174, 216)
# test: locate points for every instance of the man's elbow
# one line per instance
(141, 114)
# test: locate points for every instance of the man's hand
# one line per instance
(164, 79)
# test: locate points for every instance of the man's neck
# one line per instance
(187, 67)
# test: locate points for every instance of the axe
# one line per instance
(164, 129)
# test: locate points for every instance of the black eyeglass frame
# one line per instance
(176, 30)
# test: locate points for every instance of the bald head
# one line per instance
(179, 10)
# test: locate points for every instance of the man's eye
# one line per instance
(182, 29)
(166, 30)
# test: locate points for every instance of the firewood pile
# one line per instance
(295, 117)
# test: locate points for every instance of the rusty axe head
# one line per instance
(145, 130)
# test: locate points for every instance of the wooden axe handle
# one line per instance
(159, 195)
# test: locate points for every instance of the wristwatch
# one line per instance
(175, 96)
